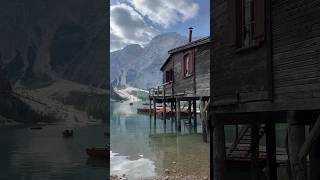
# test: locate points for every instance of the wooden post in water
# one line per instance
(164, 106)
(164, 109)
(154, 107)
(271, 150)
(171, 108)
(178, 113)
(189, 111)
(219, 150)
(194, 115)
(296, 137)
(150, 106)
(254, 151)
(203, 120)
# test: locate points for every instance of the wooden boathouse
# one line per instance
(265, 70)
(186, 78)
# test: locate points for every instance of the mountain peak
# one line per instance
(142, 69)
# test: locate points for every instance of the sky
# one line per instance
(138, 21)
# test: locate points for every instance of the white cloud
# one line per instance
(127, 26)
(166, 12)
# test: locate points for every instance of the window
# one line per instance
(246, 22)
(169, 75)
(186, 65)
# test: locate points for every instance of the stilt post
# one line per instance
(154, 107)
(178, 113)
(219, 151)
(194, 103)
(314, 157)
(189, 111)
(296, 137)
(203, 120)
(254, 151)
(271, 150)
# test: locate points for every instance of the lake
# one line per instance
(44, 154)
(144, 147)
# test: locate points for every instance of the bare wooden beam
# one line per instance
(189, 111)
(154, 107)
(195, 115)
(254, 151)
(219, 150)
(296, 137)
(150, 107)
(203, 120)
(178, 113)
(311, 139)
(315, 161)
(271, 150)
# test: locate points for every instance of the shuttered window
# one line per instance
(169, 75)
(246, 22)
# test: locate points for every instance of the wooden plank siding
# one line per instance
(196, 85)
(281, 73)
(296, 49)
(237, 74)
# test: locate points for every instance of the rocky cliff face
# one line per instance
(43, 40)
(12, 107)
(140, 66)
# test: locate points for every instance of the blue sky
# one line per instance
(138, 21)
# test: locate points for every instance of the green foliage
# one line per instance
(94, 104)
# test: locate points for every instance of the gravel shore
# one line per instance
(177, 177)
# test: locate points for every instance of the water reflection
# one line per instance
(168, 143)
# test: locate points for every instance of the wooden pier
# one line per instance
(186, 81)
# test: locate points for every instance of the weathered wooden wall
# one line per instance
(181, 85)
(296, 51)
(283, 73)
(168, 87)
(202, 70)
(237, 75)
(197, 84)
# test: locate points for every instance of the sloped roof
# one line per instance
(186, 46)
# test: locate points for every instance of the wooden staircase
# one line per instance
(241, 147)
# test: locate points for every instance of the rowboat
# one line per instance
(98, 152)
(67, 133)
(36, 128)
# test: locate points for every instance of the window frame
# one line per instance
(186, 65)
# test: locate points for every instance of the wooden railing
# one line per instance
(163, 90)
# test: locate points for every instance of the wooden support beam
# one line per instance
(271, 150)
(296, 137)
(203, 120)
(315, 160)
(219, 150)
(254, 151)
(211, 147)
(154, 108)
(150, 107)
(194, 103)
(172, 103)
(311, 139)
(164, 109)
(178, 113)
(189, 111)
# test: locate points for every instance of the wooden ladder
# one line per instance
(241, 147)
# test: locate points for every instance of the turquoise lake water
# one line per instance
(144, 147)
